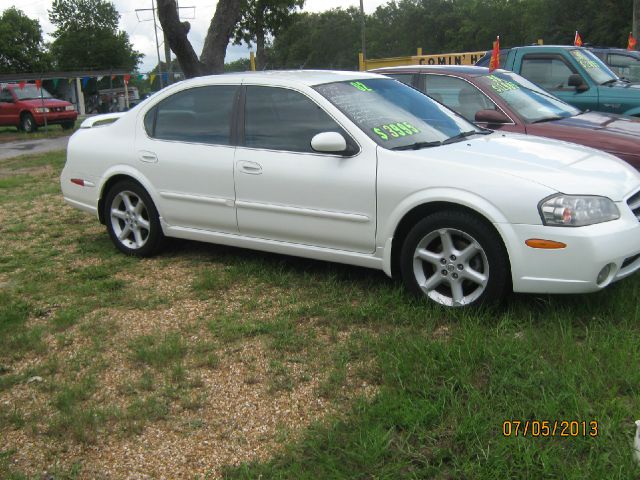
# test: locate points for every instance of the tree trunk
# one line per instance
(220, 31)
(176, 33)
(260, 53)
(215, 44)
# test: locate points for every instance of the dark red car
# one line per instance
(27, 108)
(503, 100)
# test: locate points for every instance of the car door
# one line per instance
(8, 114)
(552, 72)
(286, 191)
(464, 98)
(185, 149)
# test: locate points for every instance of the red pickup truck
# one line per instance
(27, 108)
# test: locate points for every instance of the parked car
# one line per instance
(27, 108)
(505, 101)
(625, 63)
(572, 74)
(358, 168)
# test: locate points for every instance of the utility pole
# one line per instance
(362, 25)
(636, 17)
(155, 31)
(167, 49)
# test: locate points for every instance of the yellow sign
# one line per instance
(462, 58)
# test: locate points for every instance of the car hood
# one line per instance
(609, 122)
(48, 102)
(563, 167)
(615, 134)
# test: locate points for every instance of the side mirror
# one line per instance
(491, 117)
(329, 142)
(577, 81)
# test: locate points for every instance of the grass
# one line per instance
(412, 390)
(11, 134)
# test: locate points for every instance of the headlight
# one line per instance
(69, 108)
(577, 210)
(41, 109)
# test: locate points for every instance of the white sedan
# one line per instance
(357, 168)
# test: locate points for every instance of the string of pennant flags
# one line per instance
(126, 78)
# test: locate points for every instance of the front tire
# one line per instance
(28, 123)
(132, 220)
(68, 125)
(455, 259)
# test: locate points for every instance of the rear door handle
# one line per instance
(148, 157)
(251, 168)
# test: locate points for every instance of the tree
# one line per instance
(87, 36)
(21, 46)
(261, 18)
(330, 39)
(221, 28)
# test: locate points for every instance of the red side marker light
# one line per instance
(78, 181)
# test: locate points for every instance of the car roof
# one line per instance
(466, 70)
(634, 53)
(280, 77)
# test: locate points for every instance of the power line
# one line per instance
(155, 31)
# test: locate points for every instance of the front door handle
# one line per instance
(251, 168)
(147, 156)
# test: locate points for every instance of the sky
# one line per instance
(139, 25)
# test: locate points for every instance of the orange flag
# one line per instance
(632, 42)
(495, 55)
(577, 41)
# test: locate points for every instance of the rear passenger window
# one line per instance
(282, 119)
(197, 115)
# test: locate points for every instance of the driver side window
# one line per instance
(457, 94)
(550, 73)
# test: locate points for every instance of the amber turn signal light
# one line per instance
(546, 244)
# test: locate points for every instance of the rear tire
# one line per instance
(455, 259)
(132, 220)
(28, 123)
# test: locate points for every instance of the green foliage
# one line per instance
(264, 16)
(240, 65)
(73, 15)
(21, 46)
(331, 39)
(87, 36)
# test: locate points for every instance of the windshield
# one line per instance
(395, 115)
(594, 67)
(528, 100)
(30, 91)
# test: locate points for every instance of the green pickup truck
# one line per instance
(574, 75)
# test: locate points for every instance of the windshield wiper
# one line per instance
(462, 135)
(609, 82)
(418, 145)
(547, 119)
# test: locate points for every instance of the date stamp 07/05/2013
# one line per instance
(550, 428)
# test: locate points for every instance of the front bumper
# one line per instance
(573, 269)
(54, 118)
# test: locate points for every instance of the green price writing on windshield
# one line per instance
(390, 131)
(361, 86)
(583, 60)
(500, 85)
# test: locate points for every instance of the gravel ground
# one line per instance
(22, 147)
